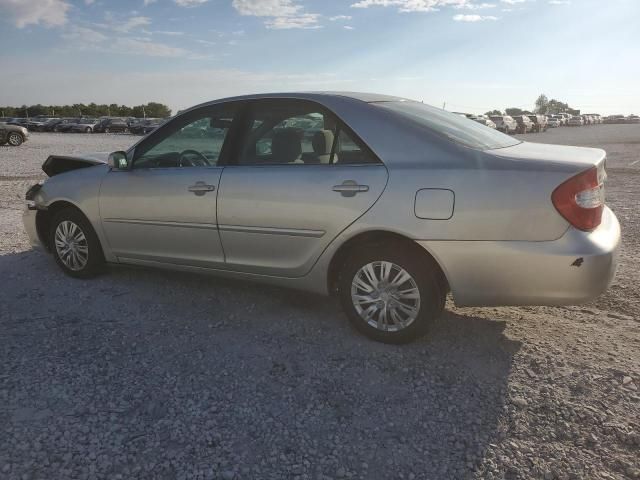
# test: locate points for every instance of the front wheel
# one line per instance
(390, 293)
(75, 245)
(15, 139)
(87, 130)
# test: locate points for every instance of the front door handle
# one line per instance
(200, 188)
(349, 188)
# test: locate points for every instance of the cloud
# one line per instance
(559, 2)
(190, 3)
(407, 6)
(477, 6)
(348, 27)
(146, 3)
(513, 2)
(285, 14)
(340, 18)
(50, 13)
(83, 35)
(144, 47)
(305, 20)
(89, 2)
(473, 18)
(170, 33)
(131, 23)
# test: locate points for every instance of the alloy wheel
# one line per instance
(71, 245)
(15, 139)
(385, 296)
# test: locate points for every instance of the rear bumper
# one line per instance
(574, 269)
(29, 221)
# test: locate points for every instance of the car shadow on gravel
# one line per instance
(161, 374)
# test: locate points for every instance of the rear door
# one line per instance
(298, 178)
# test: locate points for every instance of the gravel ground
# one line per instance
(152, 374)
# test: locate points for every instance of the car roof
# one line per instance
(320, 97)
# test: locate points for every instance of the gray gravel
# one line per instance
(151, 374)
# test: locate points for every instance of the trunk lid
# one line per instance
(570, 159)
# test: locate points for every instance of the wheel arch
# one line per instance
(44, 218)
(382, 237)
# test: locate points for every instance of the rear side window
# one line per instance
(295, 132)
(454, 127)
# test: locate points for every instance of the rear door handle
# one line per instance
(349, 188)
(200, 188)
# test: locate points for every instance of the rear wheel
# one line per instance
(75, 245)
(15, 139)
(390, 294)
(87, 130)
(106, 130)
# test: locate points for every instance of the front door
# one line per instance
(299, 178)
(163, 209)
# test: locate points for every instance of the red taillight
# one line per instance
(580, 200)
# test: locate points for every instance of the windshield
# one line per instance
(456, 128)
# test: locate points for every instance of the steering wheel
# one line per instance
(202, 161)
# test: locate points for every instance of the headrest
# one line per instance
(322, 142)
(286, 146)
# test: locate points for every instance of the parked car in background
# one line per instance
(558, 118)
(553, 122)
(567, 117)
(612, 119)
(576, 121)
(65, 125)
(525, 125)
(539, 122)
(484, 120)
(38, 125)
(504, 123)
(368, 217)
(597, 119)
(112, 125)
(14, 135)
(20, 122)
(145, 126)
(633, 119)
(588, 119)
(85, 125)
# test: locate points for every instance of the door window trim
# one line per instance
(160, 134)
(243, 128)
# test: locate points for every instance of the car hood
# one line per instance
(57, 164)
(572, 157)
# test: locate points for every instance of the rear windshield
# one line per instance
(456, 128)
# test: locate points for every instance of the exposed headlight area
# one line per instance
(30, 196)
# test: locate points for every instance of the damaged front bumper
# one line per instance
(29, 217)
(29, 221)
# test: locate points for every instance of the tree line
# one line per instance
(151, 109)
(543, 105)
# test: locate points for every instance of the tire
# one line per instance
(106, 130)
(406, 320)
(15, 139)
(87, 130)
(126, 130)
(88, 259)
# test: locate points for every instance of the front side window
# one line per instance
(194, 139)
(286, 132)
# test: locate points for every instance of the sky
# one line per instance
(469, 55)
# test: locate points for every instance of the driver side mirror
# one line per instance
(118, 160)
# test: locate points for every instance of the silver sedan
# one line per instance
(387, 203)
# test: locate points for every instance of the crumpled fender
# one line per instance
(57, 164)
